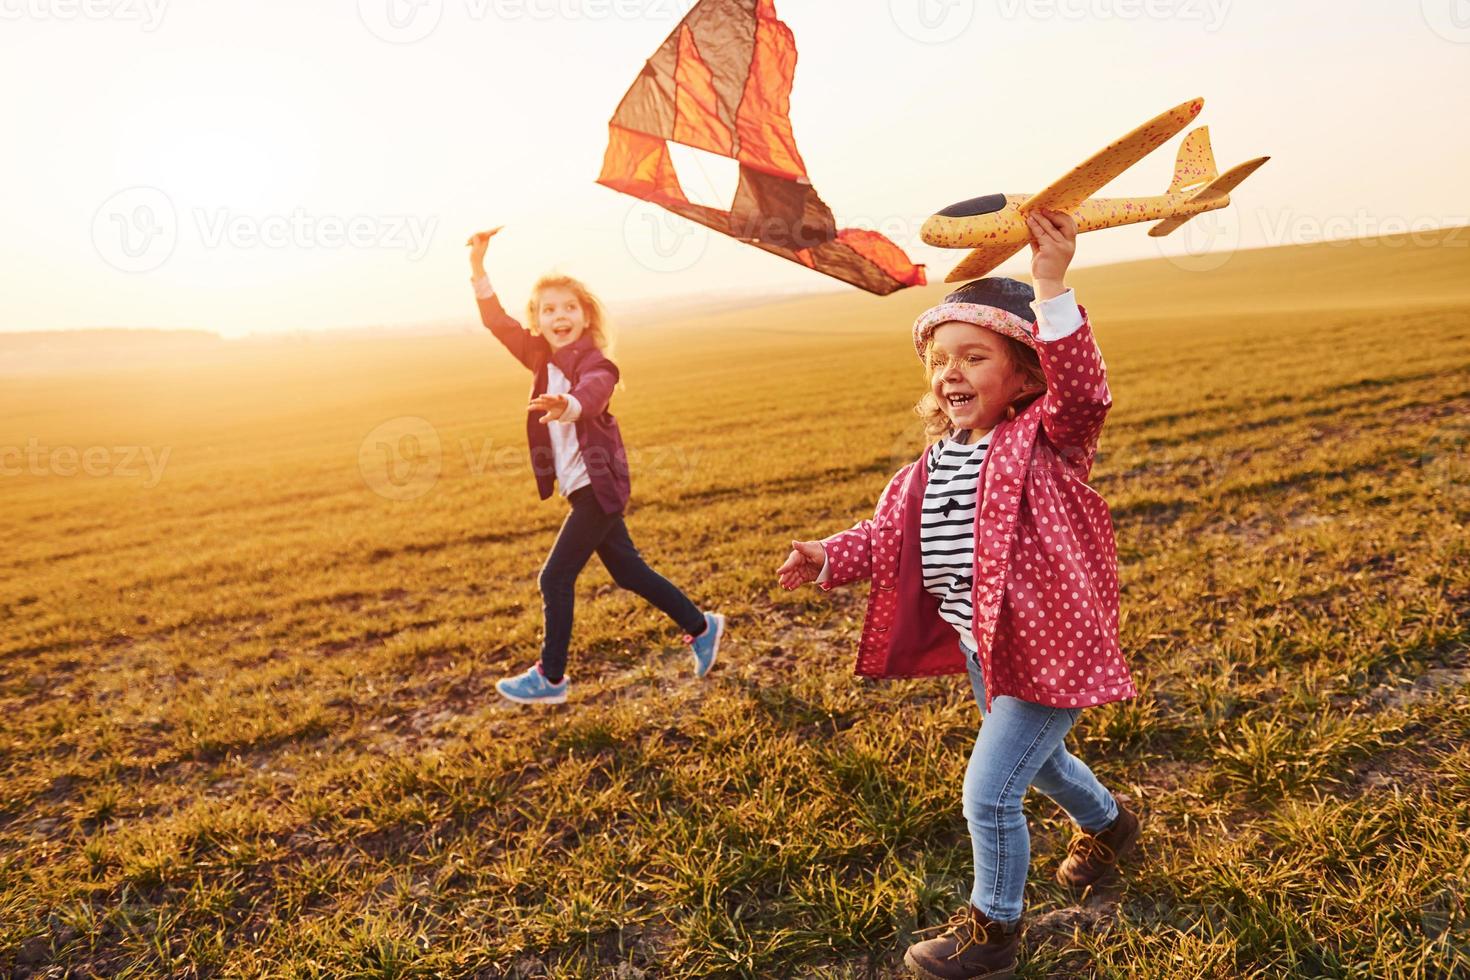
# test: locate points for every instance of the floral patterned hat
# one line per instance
(997, 303)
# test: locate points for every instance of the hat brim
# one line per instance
(991, 318)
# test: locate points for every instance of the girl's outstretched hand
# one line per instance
(803, 565)
(479, 242)
(1053, 243)
(555, 406)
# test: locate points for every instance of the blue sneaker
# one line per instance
(532, 687)
(706, 645)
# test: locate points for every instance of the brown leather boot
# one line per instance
(973, 947)
(1090, 856)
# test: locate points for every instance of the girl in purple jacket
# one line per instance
(574, 440)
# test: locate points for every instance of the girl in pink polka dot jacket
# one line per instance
(991, 555)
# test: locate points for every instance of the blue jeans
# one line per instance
(1020, 744)
(589, 530)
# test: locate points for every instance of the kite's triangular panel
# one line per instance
(721, 82)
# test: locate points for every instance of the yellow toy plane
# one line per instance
(995, 225)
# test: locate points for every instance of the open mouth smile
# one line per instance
(958, 399)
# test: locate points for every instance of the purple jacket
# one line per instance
(592, 377)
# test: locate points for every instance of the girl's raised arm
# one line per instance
(1077, 398)
(525, 346)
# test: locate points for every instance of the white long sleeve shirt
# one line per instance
(571, 470)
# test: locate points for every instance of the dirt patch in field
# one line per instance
(1435, 681)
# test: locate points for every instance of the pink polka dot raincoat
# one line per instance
(1046, 566)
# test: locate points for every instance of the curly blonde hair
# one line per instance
(1022, 358)
(597, 326)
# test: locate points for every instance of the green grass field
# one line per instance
(248, 727)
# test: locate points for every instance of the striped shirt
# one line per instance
(947, 530)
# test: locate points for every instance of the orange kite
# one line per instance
(721, 82)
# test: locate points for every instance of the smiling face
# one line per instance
(560, 317)
(973, 375)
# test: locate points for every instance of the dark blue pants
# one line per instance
(586, 530)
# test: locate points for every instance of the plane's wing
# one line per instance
(982, 260)
(1097, 170)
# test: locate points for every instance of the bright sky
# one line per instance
(293, 164)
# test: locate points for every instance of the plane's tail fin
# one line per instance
(1213, 196)
(1195, 164)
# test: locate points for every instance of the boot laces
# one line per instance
(969, 930)
(954, 924)
(1087, 847)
